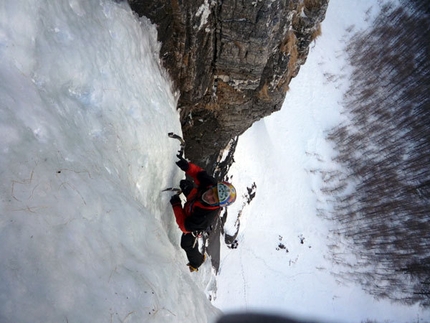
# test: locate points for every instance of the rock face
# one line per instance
(231, 61)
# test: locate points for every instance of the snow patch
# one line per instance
(203, 12)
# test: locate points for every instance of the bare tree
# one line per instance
(385, 154)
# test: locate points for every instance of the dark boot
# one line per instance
(191, 247)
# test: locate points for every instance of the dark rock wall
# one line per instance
(231, 61)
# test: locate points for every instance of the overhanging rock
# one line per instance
(231, 60)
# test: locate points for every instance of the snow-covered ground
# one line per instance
(86, 235)
(283, 155)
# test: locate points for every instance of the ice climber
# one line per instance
(205, 198)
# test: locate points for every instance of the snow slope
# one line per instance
(283, 154)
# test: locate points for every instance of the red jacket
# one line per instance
(196, 215)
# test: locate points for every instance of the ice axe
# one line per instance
(182, 141)
(172, 189)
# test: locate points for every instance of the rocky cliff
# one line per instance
(231, 61)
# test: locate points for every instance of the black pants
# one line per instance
(193, 254)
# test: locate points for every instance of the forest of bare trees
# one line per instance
(382, 196)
